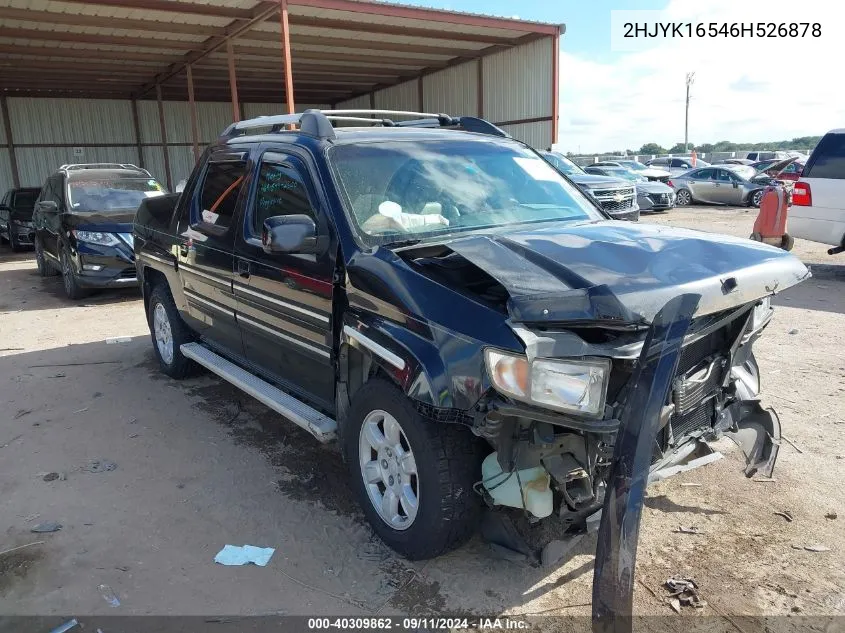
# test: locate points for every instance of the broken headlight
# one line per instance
(574, 386)
(762, 313)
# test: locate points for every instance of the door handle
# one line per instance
(243, 268)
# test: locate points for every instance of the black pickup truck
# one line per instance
(461, 317)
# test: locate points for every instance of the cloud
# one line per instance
(747, 84)
(745, 89)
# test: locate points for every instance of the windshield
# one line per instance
(119, 194)
(404, 190)
(562, 163)
(621, 172)
(632, 164)
(743, 171)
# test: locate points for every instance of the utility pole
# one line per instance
(690, 80)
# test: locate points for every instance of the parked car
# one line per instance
(735, 185)
(472, 324)
(777, 168)
(768, 155)
(16, 217)
(650, 173)
(676, 165)
(651, 195)
(733, 161)
(622, 173)
(83, 225)
(818, 198)
(616, 196)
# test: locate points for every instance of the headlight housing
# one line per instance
(576, 386)
(96, 237)
(762, 312)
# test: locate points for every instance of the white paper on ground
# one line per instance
(243, 555)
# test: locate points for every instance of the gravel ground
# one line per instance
(200, 465)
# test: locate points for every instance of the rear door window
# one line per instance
(828, 159)
(218, 197)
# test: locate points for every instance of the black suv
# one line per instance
(83, 225)
(465, 321)
(16, 217)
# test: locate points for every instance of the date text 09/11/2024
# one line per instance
(722, 29)
(417, 623)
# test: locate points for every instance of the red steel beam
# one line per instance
(35, 35)
(83, 53)
(235, 29)
(392, 29)
(555, 86)
(233, 82)
(10, 143)
(164, 138)
(136, 123)
(428, 15)
(170, 6)
(192, 106)
(286, 56)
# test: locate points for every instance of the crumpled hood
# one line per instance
(112, 222)
(619, 272)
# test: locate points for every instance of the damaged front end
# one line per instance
(552, 462)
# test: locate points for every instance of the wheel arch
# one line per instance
(419, 366)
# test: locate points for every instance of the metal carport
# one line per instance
(151, 81)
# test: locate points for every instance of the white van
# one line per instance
(818, 199)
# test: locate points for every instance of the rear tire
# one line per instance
(787, 242)
(755, 199)
(446, 463)
(169, 333)
(71, 284)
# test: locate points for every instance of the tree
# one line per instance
(678, 148)
(651, 148)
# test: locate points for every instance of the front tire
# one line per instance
(413, 476)
(683, 198)
(73, 290)
(12, 241)
(169, 333)
(756, 198)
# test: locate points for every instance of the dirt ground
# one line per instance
(200, 465)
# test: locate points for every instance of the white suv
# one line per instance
(818, 199)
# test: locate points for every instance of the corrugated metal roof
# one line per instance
(46, 45)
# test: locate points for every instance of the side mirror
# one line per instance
(48, 206)
(290, 234)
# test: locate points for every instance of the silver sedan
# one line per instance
(735, 185)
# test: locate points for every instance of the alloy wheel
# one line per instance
(389, 470)
(163, 334)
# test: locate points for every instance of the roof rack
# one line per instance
(79, 166)
(318, 123)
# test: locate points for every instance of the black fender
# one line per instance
(441, 368)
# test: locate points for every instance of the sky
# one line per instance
(618, 94)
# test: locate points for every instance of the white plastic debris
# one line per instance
(243, 555)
